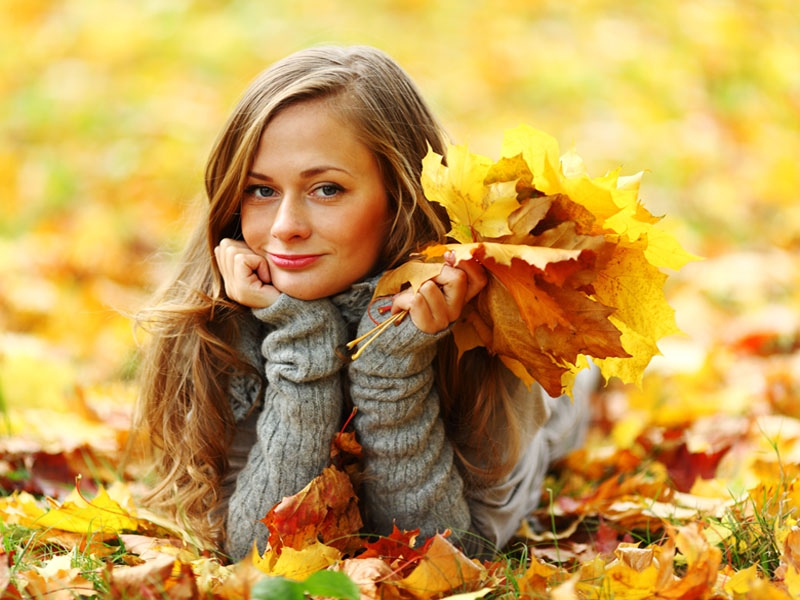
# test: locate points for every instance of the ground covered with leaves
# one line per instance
(686, 487)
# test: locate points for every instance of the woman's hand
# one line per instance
(439, 301)
(245, 274)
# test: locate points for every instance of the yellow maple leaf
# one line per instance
(20, 508)
(443, 568)
(635, 222)
(475, 209)
(635, 572)
(703, 561)
(540, 152)
(738, 584)
(792, 581)
(537, 578)
(79, 515)
(296, 564)
(635, 288)
(612, 198)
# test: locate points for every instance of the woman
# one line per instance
(314, 191)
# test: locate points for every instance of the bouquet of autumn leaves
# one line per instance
(573, 262)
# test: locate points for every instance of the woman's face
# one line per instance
(315, 205)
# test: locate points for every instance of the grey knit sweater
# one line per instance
(283, 439)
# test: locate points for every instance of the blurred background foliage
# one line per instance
(109, 108)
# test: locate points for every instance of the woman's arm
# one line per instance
(410, 477)
(301, 413)
(553, 427)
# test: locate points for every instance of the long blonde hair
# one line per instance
(192, 326)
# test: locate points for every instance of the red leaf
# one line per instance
(396, 549)
(325, 510)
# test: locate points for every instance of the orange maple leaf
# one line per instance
(396, 549)
(326, 509)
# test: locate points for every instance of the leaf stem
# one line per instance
(373, 333)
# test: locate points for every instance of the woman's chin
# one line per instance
(307, 292)
(310, 286)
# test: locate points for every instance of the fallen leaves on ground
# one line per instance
(686, 488)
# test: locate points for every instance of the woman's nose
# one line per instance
(291, 220)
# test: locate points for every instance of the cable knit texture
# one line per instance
(301, 413)
(410, 476)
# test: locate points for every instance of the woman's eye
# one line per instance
(259, 192)
(328, 190)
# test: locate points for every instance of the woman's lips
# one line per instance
(293, 261)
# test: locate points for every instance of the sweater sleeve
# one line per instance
(410, 476)
(301, 413)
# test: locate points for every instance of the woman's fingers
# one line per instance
(476, 277)
(441, 300)
(460, 282)
(245, 274)
(453, 285)
(433, 307)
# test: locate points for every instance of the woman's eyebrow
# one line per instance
(306, 173)
(322, 169)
